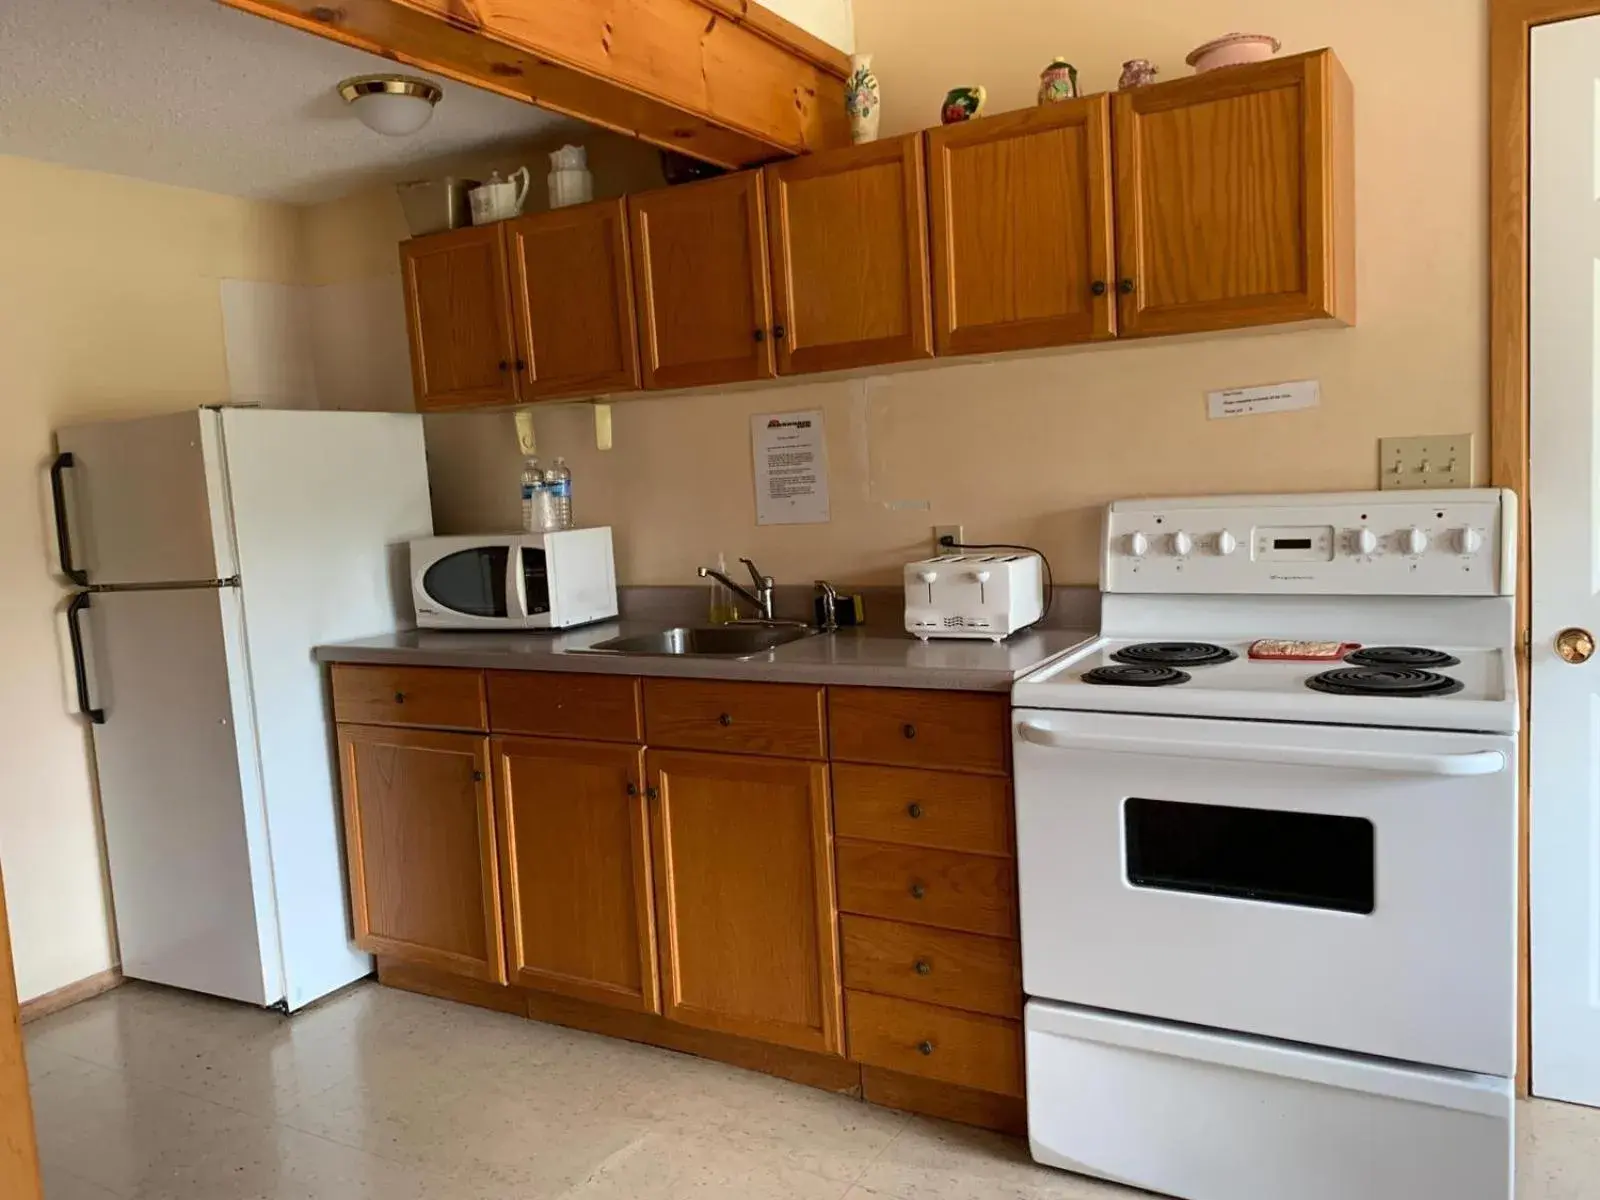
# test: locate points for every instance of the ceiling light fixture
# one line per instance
(395, 105)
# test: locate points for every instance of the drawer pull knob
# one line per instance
(924, 1048)
(725, 720)
(909, 730)
(914, 811)
(399, 697)
(923, 967)
(918, 891)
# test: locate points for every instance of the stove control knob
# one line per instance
(1138, 545)
(1182, 544)
(1414, 541)
(1226, 543)
(1364, 541)
(1469, 540)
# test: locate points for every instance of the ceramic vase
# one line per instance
(962, 104)
(1136, 73)
(863, 100)
(1058, 82)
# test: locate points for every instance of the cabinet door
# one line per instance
(458, 316)
(575, 838)
(744, 893)
(572, 298)
(849, 242)
(1022, 228)
(420, 834)
(1234, 201)
(700, 257)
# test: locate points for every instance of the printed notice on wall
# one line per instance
(791, 468)
(1276, 397)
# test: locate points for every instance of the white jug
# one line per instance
(570, 181)
(500, 199)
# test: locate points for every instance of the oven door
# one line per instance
(1340, 886)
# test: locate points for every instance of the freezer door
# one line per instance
(324, 505)
(180, 793)
(146, 501)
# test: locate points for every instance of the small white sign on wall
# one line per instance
(1275, 397)
(791, 454)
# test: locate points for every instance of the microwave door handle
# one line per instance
(516, 585)
(1482, 762)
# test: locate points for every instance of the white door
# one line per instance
(145, 500)
(1564, 504)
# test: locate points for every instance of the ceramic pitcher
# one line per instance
(500, 199)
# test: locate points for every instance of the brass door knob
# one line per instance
(1575, 645)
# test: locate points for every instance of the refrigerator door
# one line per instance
(180, 792)
(145, 500)
(324, 505)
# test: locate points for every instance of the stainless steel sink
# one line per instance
(711, 641)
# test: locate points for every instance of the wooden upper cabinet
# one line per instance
(575, 839)
(1022, 241)
(572, 301)
(1235, 202)
(420, 837)
(458, 315)
(849, 242)
(745, 897)
(700, 267)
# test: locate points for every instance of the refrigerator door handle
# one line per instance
(80, 668)
(58, 493)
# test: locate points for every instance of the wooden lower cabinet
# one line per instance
(575, 844)
(745, 896)
(420, 835)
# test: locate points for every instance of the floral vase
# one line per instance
(863, 99)
(1136, 73)
(1058, 82)
(962, 104)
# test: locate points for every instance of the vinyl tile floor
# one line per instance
(150, 1094)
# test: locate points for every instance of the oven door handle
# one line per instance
(1482, 762)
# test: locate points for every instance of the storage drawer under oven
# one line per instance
(1338, 886)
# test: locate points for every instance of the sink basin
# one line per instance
(711, 641)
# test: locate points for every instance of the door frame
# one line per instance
(1511, 25)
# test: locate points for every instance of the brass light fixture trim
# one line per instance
(393, 85)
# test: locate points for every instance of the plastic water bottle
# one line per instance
(532, 498)
(559, 480)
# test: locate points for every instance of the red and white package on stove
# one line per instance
(1277, 649)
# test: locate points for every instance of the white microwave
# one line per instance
(514, 580)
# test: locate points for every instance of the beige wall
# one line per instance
(1029, 449)
(109, 306)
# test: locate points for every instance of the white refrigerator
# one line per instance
(212, 550)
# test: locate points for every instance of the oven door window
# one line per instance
(535, 580)
(1310, 860)
(470, 581)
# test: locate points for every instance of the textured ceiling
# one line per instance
(190, 93)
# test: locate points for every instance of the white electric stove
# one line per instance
(1269, 905)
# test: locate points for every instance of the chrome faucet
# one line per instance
(760, 599)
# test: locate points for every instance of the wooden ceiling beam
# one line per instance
(722, 80)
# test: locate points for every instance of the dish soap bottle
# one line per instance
(724, 610)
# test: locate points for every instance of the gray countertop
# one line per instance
(865, 657)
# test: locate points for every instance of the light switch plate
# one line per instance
(1432, 461)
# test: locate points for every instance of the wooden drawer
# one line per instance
(936, 966)
(923, 808)
(971, 892)
(591, 708)
(431, 697)
(937, 1043)
(780, 719)
(956, 731)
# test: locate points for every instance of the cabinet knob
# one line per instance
(918, 891)
(1098, 287)
(477, 777)
(725, 720)
(914, 811)
(504, 365)
(909, 731)
(633, 788)
(652, 794)
(522, 364)
(779, 332)
(923, 967)
(924, 1048)
(761, 335)
(1126, 287)
(399, 697)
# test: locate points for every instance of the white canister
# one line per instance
(570, 181)
(500, 199)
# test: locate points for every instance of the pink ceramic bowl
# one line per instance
(1233, 50)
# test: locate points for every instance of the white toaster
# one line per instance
(974, 595)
